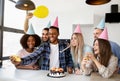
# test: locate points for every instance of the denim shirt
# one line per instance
(116, 51)
(65, 58)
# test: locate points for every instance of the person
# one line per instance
(103, 59)
(45, 30)
(28, 42)
(114, 46)
(45, 37)
(78, 49)
(50, 53)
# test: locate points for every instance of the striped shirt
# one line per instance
(65, 58)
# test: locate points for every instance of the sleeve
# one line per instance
(33, 57)
(106, 72)
(116, 50)
(20, 53)
(68, 57)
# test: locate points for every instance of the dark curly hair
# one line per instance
(23, 40)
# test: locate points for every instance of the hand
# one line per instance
(78, 72)
(29, 15)
(14, 61)
(28, 67)
(83, 64)
(69, 70)
(117, 69)
(84, 61)
(92, 57)
(35, 67)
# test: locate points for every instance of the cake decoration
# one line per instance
(56, 72)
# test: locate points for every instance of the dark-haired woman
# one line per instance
(29, 44)
(103, 60)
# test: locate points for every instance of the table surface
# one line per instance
(97, 77)
(13, 74)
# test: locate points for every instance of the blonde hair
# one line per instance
(78, 50)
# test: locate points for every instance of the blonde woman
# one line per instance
(78, 49)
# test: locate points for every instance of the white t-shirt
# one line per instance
(23, 53)
(54, 56)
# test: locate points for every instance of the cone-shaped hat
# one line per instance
(49, 24)
(55, 22)
(104, 34)
(101, 25)
(77, 29)
(30, 30)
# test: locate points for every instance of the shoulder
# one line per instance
(113, 58)
(44, 44)
(113, 44)
(63, 42)
(21, 51)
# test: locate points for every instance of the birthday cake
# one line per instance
(56, 72)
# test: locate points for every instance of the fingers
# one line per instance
(78, 72)
(70, 70)
(29, 15)
(35, 67)
(12, 58)
(15, 59)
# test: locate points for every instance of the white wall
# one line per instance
(71, 12)
(114, 32)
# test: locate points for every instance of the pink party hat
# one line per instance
(56, 22)
(77, 29)
(104, 34)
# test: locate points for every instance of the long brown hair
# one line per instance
(105, 51)
(77, 50)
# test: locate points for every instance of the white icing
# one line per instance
(56, 74)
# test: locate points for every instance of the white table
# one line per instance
(13, 74)
(97, 77)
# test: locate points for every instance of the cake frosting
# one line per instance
(56, 72)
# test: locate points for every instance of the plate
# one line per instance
(56, 76)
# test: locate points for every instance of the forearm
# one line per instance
(97, 63)
(108, 71)
(26, 25)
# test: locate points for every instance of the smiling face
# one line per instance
(53, 35)
(96, 47)
(31, 42)
(97, 33)
(45, 36)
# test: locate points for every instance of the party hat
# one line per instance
(56, 22)
(49, 24)
(104, 34)
(101, 25)
(30, 30)
(77, 29)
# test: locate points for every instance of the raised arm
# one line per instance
(26, 23)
